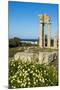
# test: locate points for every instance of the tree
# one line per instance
(14, 42)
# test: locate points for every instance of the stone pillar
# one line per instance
(48, 42)
(55, 41)
(41, 43)
(44, 39)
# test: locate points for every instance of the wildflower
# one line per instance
(24, 85)
(21, 78)
(28, 69)
(28, 83)
(42, 80)
(23, 70)
(13, 87)
(36, 70)
(36, 75)
(14, 76)
(14, 65)
(20, 74)
(12, 81)
(24, 80)
(34, 82)
(18, 66)
(33, 66)
(18, 81)
(28, 79)
(45, 71)
(23, 74)
(31, 72)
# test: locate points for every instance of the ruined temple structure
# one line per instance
(45, 20)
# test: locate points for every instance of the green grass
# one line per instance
(13, 51)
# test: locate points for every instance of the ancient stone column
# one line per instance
(44, 39)
(48, 43)
(41, 41)
(55, 41)
(41, 44)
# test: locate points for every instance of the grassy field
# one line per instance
(13, 51)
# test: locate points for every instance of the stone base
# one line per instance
(39, 57)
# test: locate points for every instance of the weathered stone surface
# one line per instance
(40, 57)
(45, 20)
(55, 41)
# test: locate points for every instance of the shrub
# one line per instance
(22, 75)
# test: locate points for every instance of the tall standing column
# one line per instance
(44, 39)
(41, 43)
(48, 43)
(55, 41)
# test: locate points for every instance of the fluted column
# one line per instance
(55, 41)
(41, 43)
(48, 43)
(44, 39)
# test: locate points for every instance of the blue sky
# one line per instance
(23, 20)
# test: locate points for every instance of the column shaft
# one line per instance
(41, 43)
(44, 39)
(55, 41)
(48, 43)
